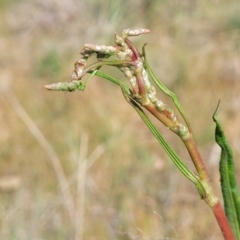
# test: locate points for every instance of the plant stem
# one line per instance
(223, 222)
(196, 157)
(209, 197)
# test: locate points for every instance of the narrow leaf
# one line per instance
(229, 186)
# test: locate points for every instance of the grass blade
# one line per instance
(229, 186)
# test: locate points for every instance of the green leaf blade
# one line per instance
(229, 186)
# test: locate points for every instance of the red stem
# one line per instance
(223, 222)
(210, 196)
(136, 53)
(138, 70)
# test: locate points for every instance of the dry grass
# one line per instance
(83, 165)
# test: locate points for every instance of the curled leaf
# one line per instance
(229, 186)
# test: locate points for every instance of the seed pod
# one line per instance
(78, 69)
(132, 79)
(124, 54)
(160, 105)
(110, 50)
(66, 86)
(119, 40)
(130, 32)
(86, 52)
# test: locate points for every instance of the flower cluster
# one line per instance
(126, 57)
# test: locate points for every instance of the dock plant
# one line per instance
(141, 94)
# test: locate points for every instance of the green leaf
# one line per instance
(229, 186)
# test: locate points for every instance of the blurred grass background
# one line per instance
(126, 188)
